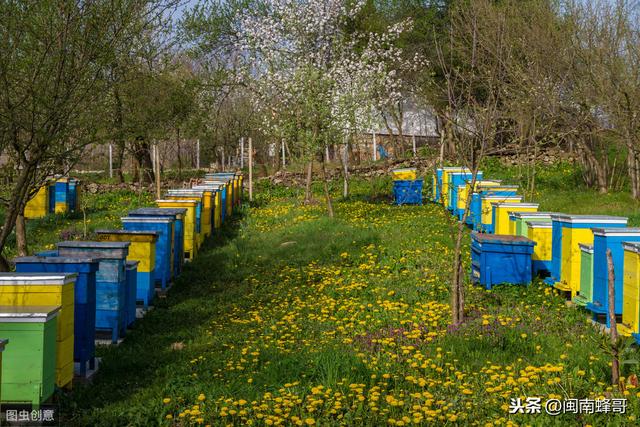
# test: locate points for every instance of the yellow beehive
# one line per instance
(541, 232)
(229, 197)
(46, 289)
(445, 182)
(464, 190)
(204, 194)
(486, 208)
(630, 290)
(142, 248)
(501, 218)
(190, 235)
(404, 174)
(38, 206)
(198, 235)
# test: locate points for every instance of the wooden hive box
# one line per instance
(497, 259)
(62, 195)
(207, 205)
(487, 201)
(518, 226)
(46, 289)
(164, 227)
(630, 325)
(567, 232)
(110, 281)
(215, 189)
(131, 271)
(143, 250)
(586, 275)
(465, 190)
(84, 320)
(609, 239)
(221, 198)
(190, 246)
(456, 179)
(540, 232)
(444, 188)
(29, 361)
(38, 206)
(177, 215)
(500, 214)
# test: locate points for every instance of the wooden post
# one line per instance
(413, 142)
(157, 172)
(250, 170)
(326, 153)
(242, 152)
(197, 154)
(153, 158)
(375, 147)
(284, 163)
(110, 161)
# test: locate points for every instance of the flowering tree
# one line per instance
(313, 79)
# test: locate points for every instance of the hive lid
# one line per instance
(392, 170)
(631, 246)
(515, 205)
(189, 202)
(159, 211)
(539, 224)
(54, 260)
(27, 313)
(501, 238)
(93, 244)
(212, 187)
(37, 279)
(150, 219)
(616, 232)
(132, 263)
(499, 197)
(585, 247)
(585, 219)
(521, 214)
(136, 232)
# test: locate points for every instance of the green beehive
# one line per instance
(586, 275)
(29, 362)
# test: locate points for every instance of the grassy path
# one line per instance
(290, 318)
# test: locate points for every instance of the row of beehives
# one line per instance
(55, 303)
(58, 195)
(407, 188)
(512, 242)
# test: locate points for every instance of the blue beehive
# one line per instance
(111, 283)
(52, 196)
(131, 272)
(566, 228)
(177, 214)
(603, 239)
(164, 225)
(499, 259)
(84, 299)
(474, 219)
(53, 252)
(407, 192)
(62, 196)
(457, 179)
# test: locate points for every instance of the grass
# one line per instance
(289, 318)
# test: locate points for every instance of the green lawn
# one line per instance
(290, 318)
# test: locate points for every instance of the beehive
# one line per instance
(465, 190)
(207, 206)
(630, 325)
(456, 179)
(500, 214)
(540, 232)
(74, 195)
(189, 242)
(198, 234)
(131, 272)
(404, 174)
(586, 275)
(444, 188)
(475, 213)
(143, 250)
(567, 232)
(520, 219)
(497, 259)
(165, 256)
(29, 361)
(488, 200)
(177, 214)
(216, 200)
(221, 198)
(609, 239)
(31, 289)
(84, 320)
(62, 195)
(110, 281)
(38, 206)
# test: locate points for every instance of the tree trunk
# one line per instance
(21, 234)
(326, 191)
(344, 159)
(119, 137)
(615, 363)
(142, 154)
(18, 197)
(307, 186)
